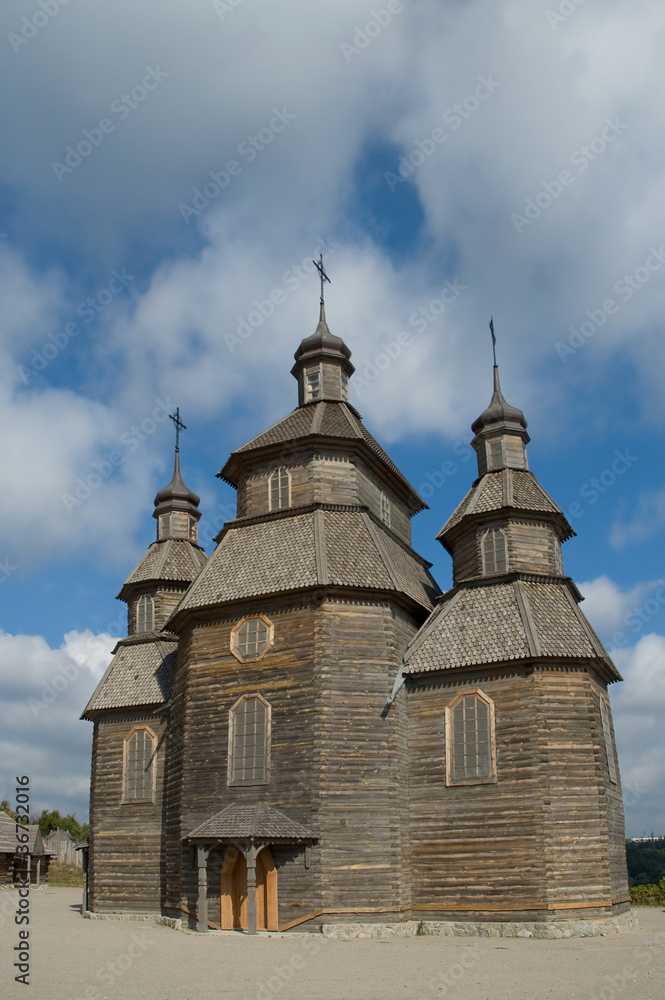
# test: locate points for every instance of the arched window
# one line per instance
(139, 762)
(470, 745)
(280, 489)
(494, 551)
(558, 559)
(313, 384)
(145, 613)
(385, 509)
(608, 736)
(495, 454)
(249, 741)
(252, 637)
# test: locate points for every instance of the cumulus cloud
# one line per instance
(613, 609)
(647, 520)
(42, 694)
(638, 709)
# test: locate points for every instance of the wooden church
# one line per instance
(302, 731)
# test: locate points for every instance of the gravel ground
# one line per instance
(75, 959)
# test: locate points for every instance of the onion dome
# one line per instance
(322, 366)
(500, 434)
(176, 508)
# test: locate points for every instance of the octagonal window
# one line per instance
(252, 638)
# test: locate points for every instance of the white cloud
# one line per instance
(163, 338)
(647, 520)
(42, 694)
(611, 608)
(639, 709)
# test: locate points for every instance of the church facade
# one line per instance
(302, 730)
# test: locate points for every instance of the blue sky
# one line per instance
(166, 173)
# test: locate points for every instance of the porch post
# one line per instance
(202, 862)
(251, 888)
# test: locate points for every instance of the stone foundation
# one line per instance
(143, 918)
(600, 927)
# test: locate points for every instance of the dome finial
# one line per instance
(176, 506)
(493, 341)
(324, 277)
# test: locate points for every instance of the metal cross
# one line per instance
(493, 339)
(318, 264)
(175, 417)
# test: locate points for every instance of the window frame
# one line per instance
(277, 473)
(147, 600)
(251, 657)
(309, 395)
(484, 535)
(385, 509)
(609, 741)
(233, 711)
(127, 799)
(492, 457)
(344, 386)
(451, 780)
(558, 559)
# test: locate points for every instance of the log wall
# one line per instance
(538, 842)
(125, 837)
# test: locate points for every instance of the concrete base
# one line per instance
(142, 918)
(599, 927)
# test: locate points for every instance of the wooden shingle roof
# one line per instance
(308, 548)
(514, 619)
(140, 673)
(251, 822)
(172, 560)
(516, 489)
(337, 421)
(8, 841)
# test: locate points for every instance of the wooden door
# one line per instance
(266, 892)
(234, 891)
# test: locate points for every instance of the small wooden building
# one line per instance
(62, 846)
(14, 867)
(302, 730)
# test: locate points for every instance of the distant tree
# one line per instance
(4, 807)
(646, 862)
(49, 821)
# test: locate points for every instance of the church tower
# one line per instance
(129, 710)
(507, 701)
(285, 773)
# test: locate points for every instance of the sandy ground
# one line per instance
(75, 959)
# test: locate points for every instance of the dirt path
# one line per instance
(75, 959)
